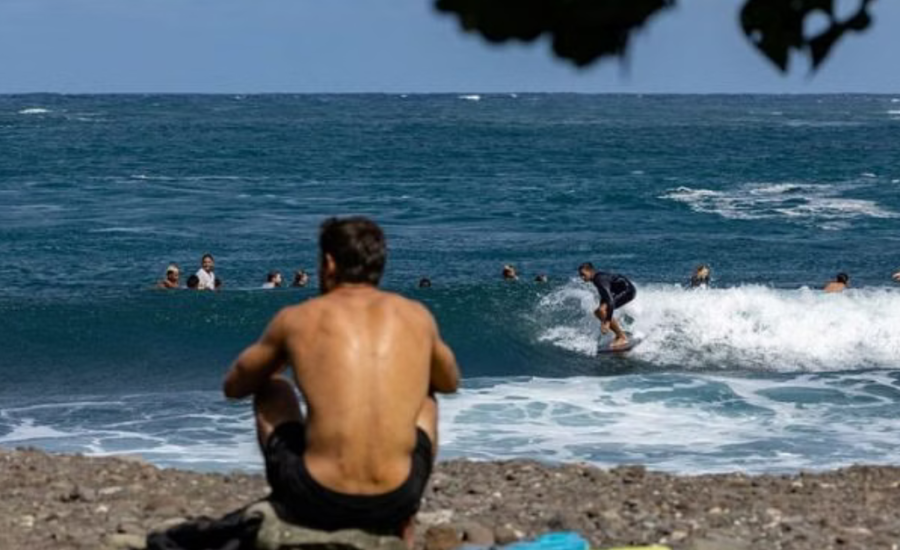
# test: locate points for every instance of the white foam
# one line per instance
(158, 427)
(792, 201)
(124, 229)
(894, 112)
(676, 422)
(472, 97)
(749, 327)
(684, 424)
(26, 432)
(34, 111)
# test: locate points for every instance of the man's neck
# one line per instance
(352, 287)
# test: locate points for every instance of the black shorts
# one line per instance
(624, 295)
(301, 500)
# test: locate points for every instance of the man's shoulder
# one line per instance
(401, 302)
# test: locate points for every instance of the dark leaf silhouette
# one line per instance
(583, 31)
(777, 26)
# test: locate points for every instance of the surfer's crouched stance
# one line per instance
(367, 363)
(615, 291)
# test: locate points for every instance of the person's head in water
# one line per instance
(840, 283)
(173, 274)
(540, 278)
(352, 251)
(424, 282)
(301, 278)
(896, 276)
(701, 276)
(193, 282)
(586, 271)
(207, 263)
(509, 273)
(274, 279)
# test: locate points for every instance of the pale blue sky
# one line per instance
(245, 46)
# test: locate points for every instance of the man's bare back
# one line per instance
(367, 363)
(363, 357)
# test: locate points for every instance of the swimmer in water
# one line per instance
(839, 284)
(173, 275)
(509, 273)
(301, 279)
(700, 278)
(273, 280)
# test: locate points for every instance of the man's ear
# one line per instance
(329, 264)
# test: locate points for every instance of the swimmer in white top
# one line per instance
(205, 274)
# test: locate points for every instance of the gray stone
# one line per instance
(436, 517)
(125, 541)
(506, 534)
(477, 534)
(275, 534)
(442, 537)
(718, 542)
(109, 491)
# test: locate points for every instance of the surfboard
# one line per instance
(633, 341)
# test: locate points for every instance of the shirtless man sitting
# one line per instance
(367, 363)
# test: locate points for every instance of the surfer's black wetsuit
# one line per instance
(615, 291)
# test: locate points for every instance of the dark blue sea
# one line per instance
(761, 372)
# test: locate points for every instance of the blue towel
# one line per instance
(565, 540)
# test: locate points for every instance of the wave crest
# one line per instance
(749, 327)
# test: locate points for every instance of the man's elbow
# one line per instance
(232, 387)
(446, 384)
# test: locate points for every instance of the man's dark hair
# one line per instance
(843, 278)
(357, 246)
(586, 266)
(271, 276)
(205, 256)
(193, 281)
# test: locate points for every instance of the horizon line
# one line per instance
(456, 93)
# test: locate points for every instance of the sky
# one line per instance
(394, 46)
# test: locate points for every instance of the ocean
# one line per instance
(760, 373)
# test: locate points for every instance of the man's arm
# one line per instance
(603, 283)
(259, 362)
(444, 370)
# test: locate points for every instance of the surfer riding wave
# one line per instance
(615, 291)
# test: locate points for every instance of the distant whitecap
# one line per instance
(798, 202)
